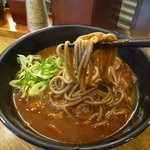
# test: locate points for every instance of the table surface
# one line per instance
(9, 141)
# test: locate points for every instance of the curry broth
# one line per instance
(67, 129)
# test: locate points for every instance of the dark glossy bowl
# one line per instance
(136, 58)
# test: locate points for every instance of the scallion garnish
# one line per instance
(35, 73)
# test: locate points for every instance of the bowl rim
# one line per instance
(54, 145)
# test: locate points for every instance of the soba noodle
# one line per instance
(89, 82)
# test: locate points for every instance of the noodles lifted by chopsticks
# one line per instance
(90, 82)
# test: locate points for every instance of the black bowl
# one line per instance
(136, 58)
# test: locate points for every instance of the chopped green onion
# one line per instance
(37, 89)
(35, 73)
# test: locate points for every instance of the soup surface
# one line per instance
(36, 112)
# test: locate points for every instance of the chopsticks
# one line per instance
(133, 42)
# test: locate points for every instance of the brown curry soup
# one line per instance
(66, 129)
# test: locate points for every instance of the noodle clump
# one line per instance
(90, 87)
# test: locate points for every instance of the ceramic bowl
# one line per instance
(136, 58)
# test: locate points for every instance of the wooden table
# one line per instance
(8, 141)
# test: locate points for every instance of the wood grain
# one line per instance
(9, 141)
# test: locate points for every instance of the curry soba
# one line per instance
(77, 95)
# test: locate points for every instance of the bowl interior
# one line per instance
(136, 58)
